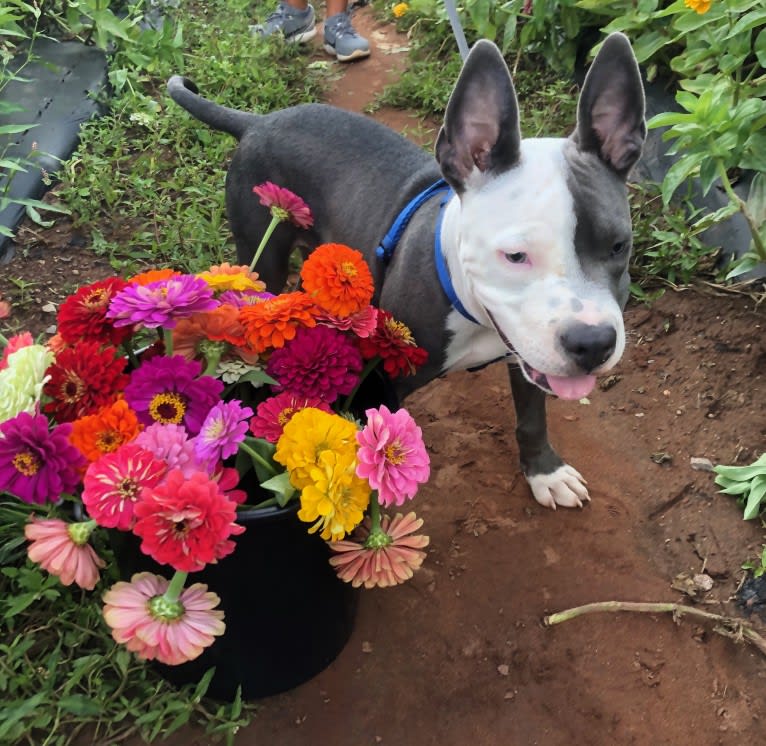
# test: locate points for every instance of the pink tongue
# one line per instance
(574, 387)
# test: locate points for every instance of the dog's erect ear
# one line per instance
(611, 110)
(481, 124)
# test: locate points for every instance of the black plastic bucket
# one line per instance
(287, 614)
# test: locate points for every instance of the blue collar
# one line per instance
(385, 250)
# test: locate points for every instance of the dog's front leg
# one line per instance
(552, 481)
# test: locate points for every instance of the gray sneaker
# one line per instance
(341, 39)
(294, 25)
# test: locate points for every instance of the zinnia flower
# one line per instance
(275, 321)
(699, 6)
(362, 324)
(320, 362)
(186, 522)
(161, 303)
(392, 456)
(83, 314)
(16, 342)
(221, 324)
(335, 498)
(104, 432)
(112, 485)
(37, 465)
(154, 275)
(62, 549)
(84, 378)
(222, 431)
(155, 628)
(21, 383)
(225, 276)
(284, 204)
(306, 436)
(393, 342)
(168, 390)
(338, 279)
(245, 298)
(171, 444)
(274, 413)
(382, 559)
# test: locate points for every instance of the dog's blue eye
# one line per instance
(517, 257)
(619, 248)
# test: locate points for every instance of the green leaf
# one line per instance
(678, 173)
(79, 704)
(757, 493)
(743, 473)
(257, 377)
(281, 486)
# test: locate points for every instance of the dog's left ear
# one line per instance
(480, 134)
(611, 109)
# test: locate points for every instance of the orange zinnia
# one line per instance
(272, 323)
(221, 324)
(338, 279)
(105, 431)
(153, 275)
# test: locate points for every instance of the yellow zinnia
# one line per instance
(336, 498)
(699, 6)
(306, 436)
(400, 9)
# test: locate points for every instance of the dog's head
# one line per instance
(544, 225)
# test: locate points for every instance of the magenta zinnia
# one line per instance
(392, 456)
(62, 549)
(284, 204)
(37, 465)
(222, 431)
(161, 303)
(186, 522)
(319, 362)
(169, 390)
(153, 627)
(113, 484)
(382, 558)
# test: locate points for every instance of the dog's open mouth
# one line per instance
(565, 387)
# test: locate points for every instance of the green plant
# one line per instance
(747, 483)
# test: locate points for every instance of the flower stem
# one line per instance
(266, 236)
(368, 368)
(726, 626)
(374, 513)
(173, 593)
(257, 457)
(760, 248)
(167, 338)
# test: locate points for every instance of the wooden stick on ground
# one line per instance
(735, 629)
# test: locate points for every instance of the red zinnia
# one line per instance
(393, 342)
(83, 315)
(186, 522)
(83, 379)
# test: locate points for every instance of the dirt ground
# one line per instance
(459, 654)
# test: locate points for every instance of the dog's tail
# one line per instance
(185, 93)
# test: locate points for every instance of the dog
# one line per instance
(529, 260)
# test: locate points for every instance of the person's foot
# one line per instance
(342, 40)
(295, 25)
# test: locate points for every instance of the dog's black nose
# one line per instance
(589, 345)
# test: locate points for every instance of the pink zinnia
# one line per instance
(171, 632)
(186, 523)
(363, 323)
(16, 342)
(384, 558)
(391, 455)
(38, 465)
(319, 361)
(161, 303)
(171, 444)
(222, 431)
(62, 549)
(274, 413)
(284, 204)
(112, 485)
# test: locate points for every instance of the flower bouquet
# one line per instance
(167, 404)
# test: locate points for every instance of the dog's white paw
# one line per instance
(565, 487)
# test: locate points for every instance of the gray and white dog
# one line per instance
(525, 257)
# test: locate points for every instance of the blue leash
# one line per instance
(385, 250)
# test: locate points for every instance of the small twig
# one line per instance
(736, 629)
